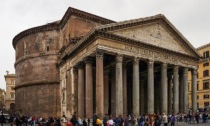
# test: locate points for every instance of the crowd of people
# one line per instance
(143, 120)
(109, 120)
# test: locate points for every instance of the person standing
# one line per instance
(157, 121)
(74, 119)
(88, 121)
(105, 119)
(165, 120)
(197, 117)
(63, 120)
(173, 120)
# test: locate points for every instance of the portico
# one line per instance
(131, 68)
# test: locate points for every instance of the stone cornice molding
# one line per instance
(10, 75)
(83, 14)
(71, 41)
(60, 24)
(27, 84)
(48, 27)
(203, 46)
(34, 56)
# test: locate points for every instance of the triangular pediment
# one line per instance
(155, 34)
(155, 30)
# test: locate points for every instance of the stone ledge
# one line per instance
(27, 84)
(34, 56)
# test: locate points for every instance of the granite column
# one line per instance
(176, 89)
(169, 94)
(150, 88)
(185, 101)
(164, 87)
(89, 87)
(194, 90)
(81, 91)
(99, 83)
(119, 86)
(136, 86)
(125, 111)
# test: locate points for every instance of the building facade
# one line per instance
(10, 92)
(87, 64)
(2, 98)
(203, 92)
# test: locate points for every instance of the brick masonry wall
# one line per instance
(37, 73)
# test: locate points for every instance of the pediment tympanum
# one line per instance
(155, 34)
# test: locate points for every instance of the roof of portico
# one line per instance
(156, 18)
(102, 31)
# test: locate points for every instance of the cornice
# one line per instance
(203, 46)
(59, 25)
(128, 23)
(204, 60)
(71, 41)
(34, 56)
(48, 27)
(27, 84)
(9, 75)
(83, 14)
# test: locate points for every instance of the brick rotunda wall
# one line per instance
(37, 76)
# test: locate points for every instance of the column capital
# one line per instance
(175, 67)
(79, 65)
(185, 70)
(135, 60)
(194, 71)
(88, 60)
(119, 58)
(164, 66)
(150, 63)
(99, 53)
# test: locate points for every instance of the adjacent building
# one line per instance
(10, 92)
(203, 82)
(86, 64)
(2, 98)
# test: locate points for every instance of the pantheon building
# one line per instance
(89, 64)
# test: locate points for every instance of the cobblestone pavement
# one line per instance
(185, 124)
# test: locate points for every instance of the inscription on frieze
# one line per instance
(150, 54)
(158, 56)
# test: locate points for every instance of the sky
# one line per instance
(190, 17)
